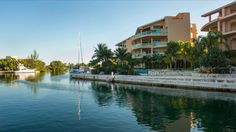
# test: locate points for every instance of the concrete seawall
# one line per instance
(227, 84)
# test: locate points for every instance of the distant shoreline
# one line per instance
(18, 72)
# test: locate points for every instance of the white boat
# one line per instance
(23, 69)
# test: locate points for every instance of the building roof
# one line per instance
(140, 27)
(218, 9)
(123, 41)
(159, 20)
(151, 23)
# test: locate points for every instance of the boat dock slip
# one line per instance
(227, 84)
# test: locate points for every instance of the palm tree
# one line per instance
(168, 60)
(34, 56)
(209, 51)
(121, 55)
(147, 60)
(185, 51)
(212, 40)
(102, 59)
(172, 52)
(192, 57)
(158, 61)
(131, 61)
(102, 54)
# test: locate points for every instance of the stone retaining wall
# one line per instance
(192, 82)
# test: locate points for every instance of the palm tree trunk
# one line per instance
(175, 64)
(185, 63)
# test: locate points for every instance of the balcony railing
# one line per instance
(149, 45)
(139, 55)
(152, 32)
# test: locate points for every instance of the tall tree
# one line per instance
(172, 52)
(102, 53)
(212, 40)
(210, 53)
(103, 56)
(147, 60)
(185, 51)
(57, 67)
(34, 56)
(121, 55)
(9, 64)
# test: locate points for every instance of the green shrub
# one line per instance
(221, 70)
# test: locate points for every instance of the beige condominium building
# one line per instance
(224, 22)
(152, 38)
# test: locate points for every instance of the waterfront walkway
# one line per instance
(188, 82)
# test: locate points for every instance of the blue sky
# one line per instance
(52, 26)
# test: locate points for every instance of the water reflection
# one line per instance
(158, 109)
(10, 78)
(102, 93)
(7, 78)
(170, 112)
(33, 77)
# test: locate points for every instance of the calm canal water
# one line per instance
(57, 103)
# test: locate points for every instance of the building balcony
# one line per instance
(228, 33)
(150, 45)
(229, 16)
(209, 25)
(141, 55)
(156, 32)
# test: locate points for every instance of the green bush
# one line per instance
(9, 64)
(215, 60)
(57, 67)
(221, 70)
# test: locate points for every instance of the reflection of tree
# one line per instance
(57, 73)
(218, 116)
(59, 77)
(155, 111)
(7, 77)
(158, 111)
(102, 93)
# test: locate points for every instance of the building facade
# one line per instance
(224, 21)
(127, 44)
(152, 38)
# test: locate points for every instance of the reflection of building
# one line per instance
(152, 38)
(225, 22)
(182, 124)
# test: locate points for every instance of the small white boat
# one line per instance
(23, 69)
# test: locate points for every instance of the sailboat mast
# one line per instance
(81, 53)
